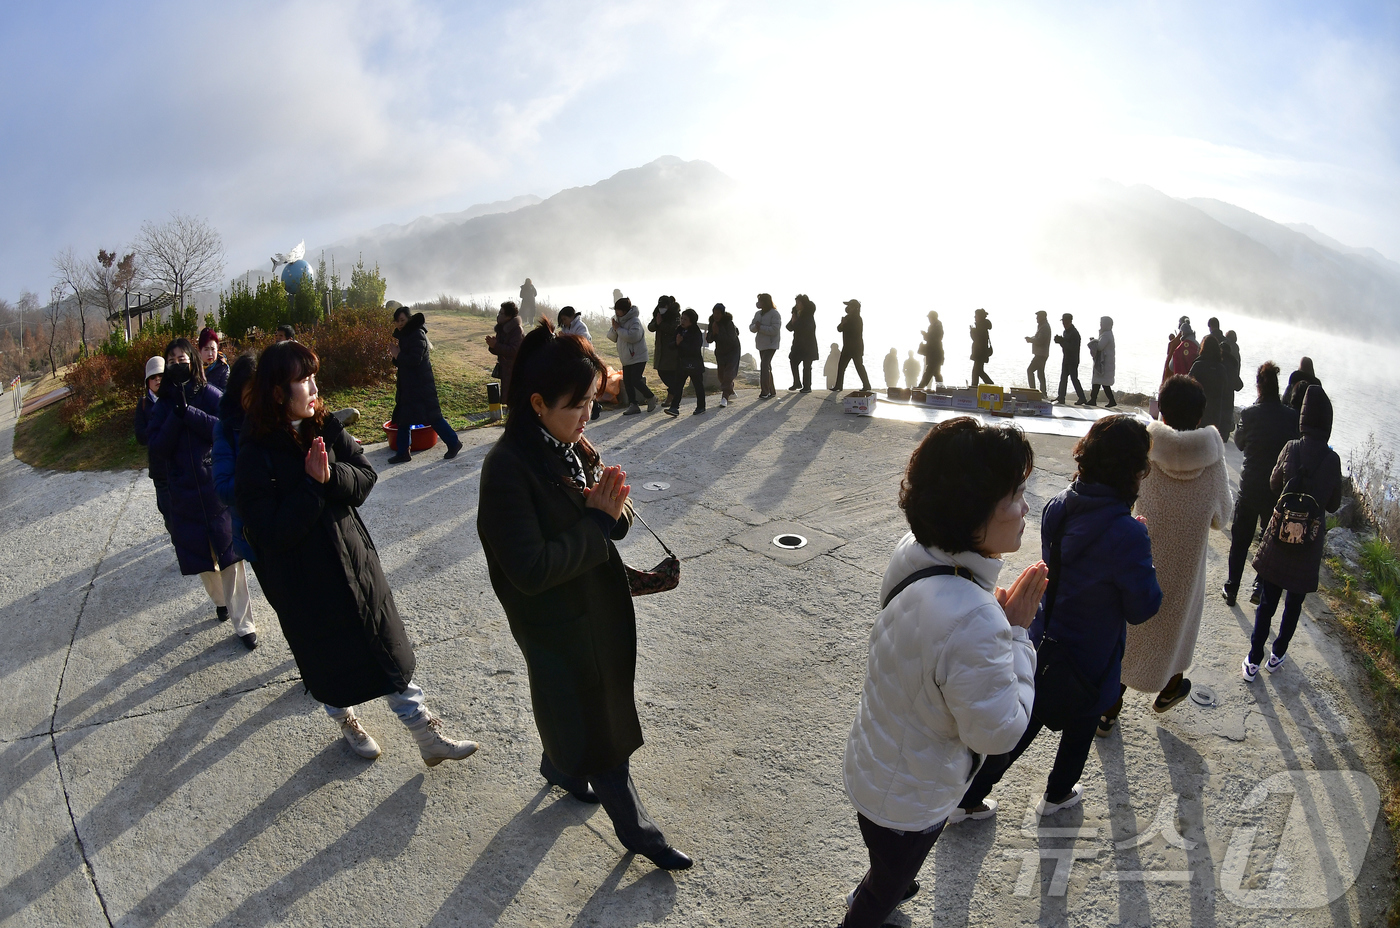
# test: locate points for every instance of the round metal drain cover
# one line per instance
(656, 486)
(1203, 696)
(790, 542)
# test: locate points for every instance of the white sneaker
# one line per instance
(723, 401)
(435, 746)
(359, 740)
(1275, 663)
(989, 808)
(1248, 671)
(1045, 807)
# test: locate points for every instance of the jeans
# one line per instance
(445, 432)
(765, 372)
(634, 383)
(697, 380)
(848, 357)
(895, 859)
(1070, 373)
(410, 705)
(1249, 518)
(618, 796)
(805, 380)
(1037, 367)
(1075, 742)
(1269, 595)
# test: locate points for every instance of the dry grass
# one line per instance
(43, 439)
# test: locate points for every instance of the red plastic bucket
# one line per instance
(422, 438)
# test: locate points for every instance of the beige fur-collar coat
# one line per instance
(1183, 497)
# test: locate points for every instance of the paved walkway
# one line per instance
(154, 772)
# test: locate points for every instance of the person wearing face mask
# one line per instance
(215, 364)
(299, 481)
(548, 516)
(949, 677)
(181, 432)
(1101, 581)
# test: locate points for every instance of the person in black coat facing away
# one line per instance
(1264, 429)
(299, 481)
(549, 512)
(1209, 371)
(932, 350)
(1290, 555)
(1230, 356)
(981, 332)
(804, 350)
(415, 396)
(689, 343)
(852, 329)
(724, 335)
(1069, 362)
(1298, 383)
(155, 464)
(181, 432)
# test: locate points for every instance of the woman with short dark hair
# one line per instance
(804, 350)
(300, 480)
(949, 676)
(505, 343)
(415, 395)
(724, 335)
(549, 512)
(1210, 372)
(1103, 580)
(181, 432)
(689, 346)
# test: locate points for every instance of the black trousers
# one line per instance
(859, 360)
(895, 860)
(932, 371)
(697, 380)
(1250, 518)
(670, 378)
(1070, 373)
(765, 372)
(805, 380)
(1075, 742)
(618, 796)
(634, 381)
(978, 374)
(1107, 391)
(1269, 596)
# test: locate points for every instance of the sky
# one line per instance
(897, 126)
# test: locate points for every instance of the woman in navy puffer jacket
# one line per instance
(1105, 582)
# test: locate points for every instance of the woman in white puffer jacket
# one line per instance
(950, 675)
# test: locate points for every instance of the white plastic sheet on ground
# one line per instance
(1071, 421)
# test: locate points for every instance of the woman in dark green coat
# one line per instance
(547, 518)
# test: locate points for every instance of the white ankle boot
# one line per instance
(359, 740)
(434, 746)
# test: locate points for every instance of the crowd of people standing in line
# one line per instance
(257, 475)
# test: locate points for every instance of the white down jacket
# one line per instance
(947, 678)
(631, 337)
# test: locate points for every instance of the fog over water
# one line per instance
(1360, 376)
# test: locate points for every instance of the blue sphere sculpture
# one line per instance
(293, 273)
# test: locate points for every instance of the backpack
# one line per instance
(1298, 518)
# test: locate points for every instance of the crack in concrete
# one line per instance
(294, 678)
(88, 868)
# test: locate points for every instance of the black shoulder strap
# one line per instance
(1053, 567)
(916, 576)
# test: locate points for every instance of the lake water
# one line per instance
(1361, 377)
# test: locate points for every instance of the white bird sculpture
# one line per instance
(296, 254)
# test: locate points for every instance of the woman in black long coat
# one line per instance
(665, 320)
(181, 435)
(547, 518)
(299, 481)
(1210, 372)
(415, 396)
(981, 332)
(724, 335)
(803, 326)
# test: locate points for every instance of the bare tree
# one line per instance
(53, 315)
(28, 303)
(183, 255)
(110, 279)
(75, 274)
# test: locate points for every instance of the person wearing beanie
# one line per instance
(1308, 476)
(724, 335)
(1040, 352)
(215, 364)
(932, 350)
(981, 332)
(155, 464)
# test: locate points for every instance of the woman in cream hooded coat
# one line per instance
(1105, 354)
(1183, 497)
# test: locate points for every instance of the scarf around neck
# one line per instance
(569, 456)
